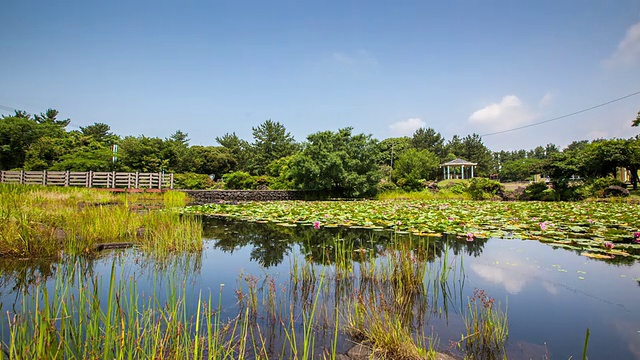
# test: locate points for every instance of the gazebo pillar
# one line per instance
(462, 171)
(472, 171)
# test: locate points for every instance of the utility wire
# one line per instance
(563, 116)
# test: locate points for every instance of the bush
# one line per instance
(192, 181)
(454, 186)
(538, 191)
(239, 180)
(597, 187)
(385, 185)
(483, 188)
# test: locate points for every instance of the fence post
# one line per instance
(159, 181)
(44, 177)
(87, 180)
(21, 176)
(66, 178)
(137, 179)
(1, 176)
(171, 184)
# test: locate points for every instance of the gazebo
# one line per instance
(457, 164)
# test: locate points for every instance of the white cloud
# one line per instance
(509, 113)
(406, 127)
(513, 284)
(628, 51)
(357, 57)
(546, 100)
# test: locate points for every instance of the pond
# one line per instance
(552, 295)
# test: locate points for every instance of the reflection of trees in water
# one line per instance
(271, 242)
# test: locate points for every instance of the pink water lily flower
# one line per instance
(636, 237)
(316, 225)
(608, 245)
(470, 237)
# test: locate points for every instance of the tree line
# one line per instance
(337, 162)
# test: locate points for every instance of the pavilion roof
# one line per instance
(458, 162)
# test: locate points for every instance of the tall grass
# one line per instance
(47, 222)
(487, 327)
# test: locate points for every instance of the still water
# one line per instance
(552, 296)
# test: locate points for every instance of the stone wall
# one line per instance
(231, 196)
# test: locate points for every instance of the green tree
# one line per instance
(239, 148)
(271, 141)
(216, 160)
(338, 163)
(414, 166)
(636, 122)
(175, 152)
(471, 148)
(100, 132)
(520, 170)
(142, 154)
(393, 148)
(632, 160)
(429, 139)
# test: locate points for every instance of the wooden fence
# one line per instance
(95, 179)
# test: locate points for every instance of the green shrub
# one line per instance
(239, 180)
(454, 186)
(385, 185)
(538, 191)
(483, 188)
(192, 181)
(596, 188)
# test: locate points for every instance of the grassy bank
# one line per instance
(47, 221)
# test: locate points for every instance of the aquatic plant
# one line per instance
(570, 225)
(487, 327)
(47, 221)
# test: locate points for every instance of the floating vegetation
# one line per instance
(570, 225)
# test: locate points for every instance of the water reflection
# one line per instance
(272, 243)
(274, 274)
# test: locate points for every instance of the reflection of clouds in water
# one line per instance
(513, 270)
(551, 289)
(630, 332)
(513, 284)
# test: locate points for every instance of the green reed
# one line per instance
(47, 222)
(487, 327)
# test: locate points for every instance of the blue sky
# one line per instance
(385, 68)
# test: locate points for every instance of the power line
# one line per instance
(563, 116)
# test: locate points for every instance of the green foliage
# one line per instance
(454, 186)
(392, 148)
(216, 160)
(192, 181)
(596, 187)
(385, 186)
(520, 170)
(240, 150)
(472, 149)
(339, 163)
(414, 167)
(538, 191)
(429, 139)
(483, 188)
(271, 142)
(239, 180)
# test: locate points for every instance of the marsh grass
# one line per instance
(487, 327)
(76, 321)
(47, 222)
